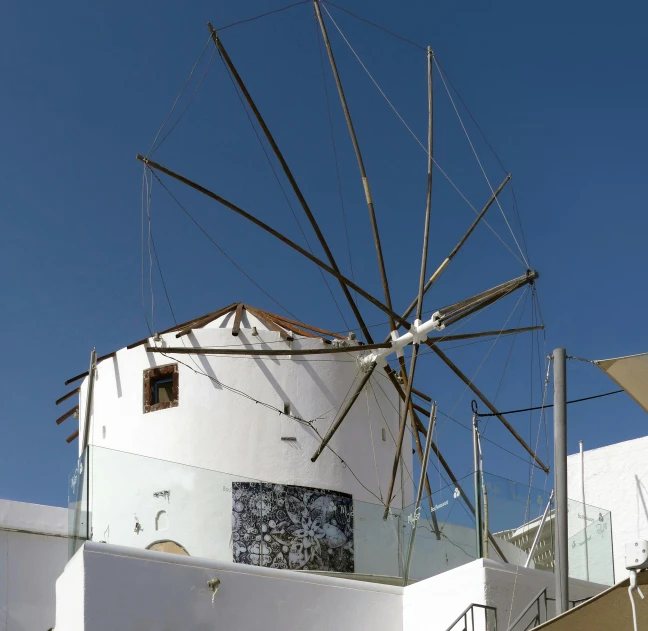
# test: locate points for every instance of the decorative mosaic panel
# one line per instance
(292, 527)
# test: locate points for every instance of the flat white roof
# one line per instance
(36, 518)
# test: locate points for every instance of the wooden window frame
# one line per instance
(151, 375)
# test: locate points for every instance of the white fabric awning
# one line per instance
(631, 374)
(608, 611)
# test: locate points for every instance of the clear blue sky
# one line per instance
(558, 88)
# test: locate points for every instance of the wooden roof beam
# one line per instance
(201, 322)
(253, 352)
(238, 316)
(68, 395)
(67, 415)
(99, 359)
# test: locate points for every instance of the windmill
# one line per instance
(403, 331)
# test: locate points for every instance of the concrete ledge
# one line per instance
(33, 518)
(238, 568)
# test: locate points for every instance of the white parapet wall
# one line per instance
(616, 479)
(106, 587)
(33, 553)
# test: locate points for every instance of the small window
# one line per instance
(160, 388)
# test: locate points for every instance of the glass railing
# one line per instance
(141, 502)
(590, 543)
(144, 502)
(78, 524)
(514, 516)
(445, 531)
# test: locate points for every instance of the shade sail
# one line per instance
(631, 374)
(608, 611)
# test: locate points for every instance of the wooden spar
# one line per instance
(68, 395)
(516, 282)
(343, 413)
(421, 428)
(453, 478)
(407, 408)
(273, 326)
(347, 409)
(428, 203)
(284, 165)
(327, 268)
(189, 350)
(99, 359)
(469, 336)
(469, 306)
(457, 247)
(308, 326)
(293, 327)
(200, 322)
(236, 327)
(363, 173)
(489, 405)
(417, 440)
(428, 488)
(67, 415)
(401, 428)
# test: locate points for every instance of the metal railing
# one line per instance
(540, 603)
(470, 610)
(537, 618)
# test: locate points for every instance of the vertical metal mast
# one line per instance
(561, 565)
(477, 480)
(582, 467)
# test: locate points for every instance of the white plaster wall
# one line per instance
(435, 603)
(616, 479)
(219, 430)
(33, 518)
(215, 436)
(108, 587)
(70, 596)
(33, 553)
(129, 590)
(510, 589)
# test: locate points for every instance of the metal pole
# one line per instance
(582, 463)
(419, 493)
(561, 569)
(477, 476)
(485, 531)
(537, 537)
(89, 393)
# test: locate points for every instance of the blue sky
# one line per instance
(559, 90)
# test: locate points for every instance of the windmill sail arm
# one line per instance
(154, 166)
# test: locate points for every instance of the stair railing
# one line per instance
(537, 618)
(470, 610)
